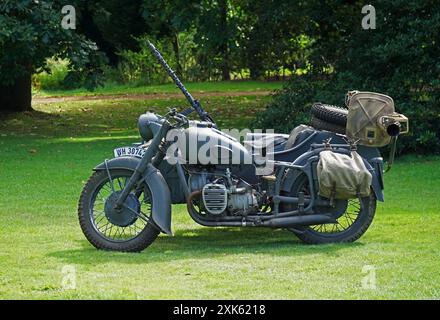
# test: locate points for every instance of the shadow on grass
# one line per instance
(32, 114)
(203, 243)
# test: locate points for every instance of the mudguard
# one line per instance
(375, 166)
(161, 209)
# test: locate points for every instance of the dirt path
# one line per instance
(147, 96)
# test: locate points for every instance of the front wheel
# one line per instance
(126, 229)
(353, 217)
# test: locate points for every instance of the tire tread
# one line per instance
(330, 113)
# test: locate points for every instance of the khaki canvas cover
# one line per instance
(365, 110)
(341, 176)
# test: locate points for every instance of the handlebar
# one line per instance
(179, 118)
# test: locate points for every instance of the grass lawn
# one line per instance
(194, 87)
(48, 155)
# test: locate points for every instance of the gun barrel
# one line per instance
(193, 102)
(393, 129)
(394, 124)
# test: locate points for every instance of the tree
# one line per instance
(112, 24)
(168, 18)
(30, 32)
(271, 35)
(217, 33)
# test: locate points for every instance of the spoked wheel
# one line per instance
(353, 217)
(128, 228)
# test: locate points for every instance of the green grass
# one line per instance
(46, 158)
(107, 118)
(223, 86)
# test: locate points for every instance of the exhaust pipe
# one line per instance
(225, 222)
(305, 220)
(282, 222)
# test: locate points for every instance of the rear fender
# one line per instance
(375, 168)
(161, 209)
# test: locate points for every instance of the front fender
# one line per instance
(160, 193)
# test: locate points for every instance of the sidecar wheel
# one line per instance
(106, 230)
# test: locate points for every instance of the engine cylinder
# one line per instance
(215, 198)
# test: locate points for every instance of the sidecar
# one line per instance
(297, 148)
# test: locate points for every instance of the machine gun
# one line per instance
(204, 116)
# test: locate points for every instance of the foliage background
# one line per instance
(319, 47)
(399, 58)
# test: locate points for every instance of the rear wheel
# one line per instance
(353, 217)
(127, 229)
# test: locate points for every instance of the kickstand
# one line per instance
(392, 154)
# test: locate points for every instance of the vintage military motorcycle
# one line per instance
(320, 182)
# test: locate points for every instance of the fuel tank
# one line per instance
(200, 143)
(207, 146)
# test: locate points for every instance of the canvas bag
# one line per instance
(341, 176)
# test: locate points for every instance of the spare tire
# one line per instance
(328, 126)
(329, 113)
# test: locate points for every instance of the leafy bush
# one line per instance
(52, 78)
(58, 75)
(291, 106)
(140, 67)
(399, 58)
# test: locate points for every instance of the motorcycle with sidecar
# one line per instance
(321, 182)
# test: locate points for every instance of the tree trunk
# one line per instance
(88, 27)
(255, 70)
(224, 50)
(176, 49)
(226, 73)
(18, 96)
